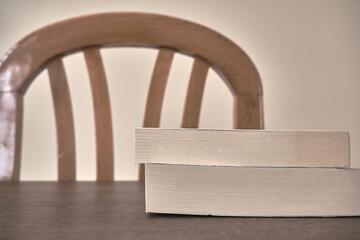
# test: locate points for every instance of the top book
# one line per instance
(244, 148)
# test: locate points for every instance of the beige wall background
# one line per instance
(307, 53)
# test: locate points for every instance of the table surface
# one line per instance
(116, 210)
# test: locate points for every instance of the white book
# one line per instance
(248, 172)
(242, 191)
(247, 148)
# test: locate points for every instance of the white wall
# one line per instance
(307, 53)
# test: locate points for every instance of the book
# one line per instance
(256, 192)
(248, 172)
(246, 148)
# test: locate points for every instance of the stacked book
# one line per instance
(248, 172)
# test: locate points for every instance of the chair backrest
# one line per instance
(46, 47)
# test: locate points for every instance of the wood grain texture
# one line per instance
(11, 106)
(248, 112)
(116, 210)
(64, 120)
(192, 108)
(102, 114)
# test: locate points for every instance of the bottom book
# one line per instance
(260, 192)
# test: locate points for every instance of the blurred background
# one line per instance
(307, 53)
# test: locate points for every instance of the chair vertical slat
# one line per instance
(64, 120)
(11, 114)
(248, 109)
(102, 113)
(191, 114)
(157, 88)
(156, 93)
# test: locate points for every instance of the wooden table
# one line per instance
(115, 210)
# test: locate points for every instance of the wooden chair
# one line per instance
(44, 49)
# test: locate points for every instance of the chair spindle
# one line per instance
(66, 155)
(102, 114)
